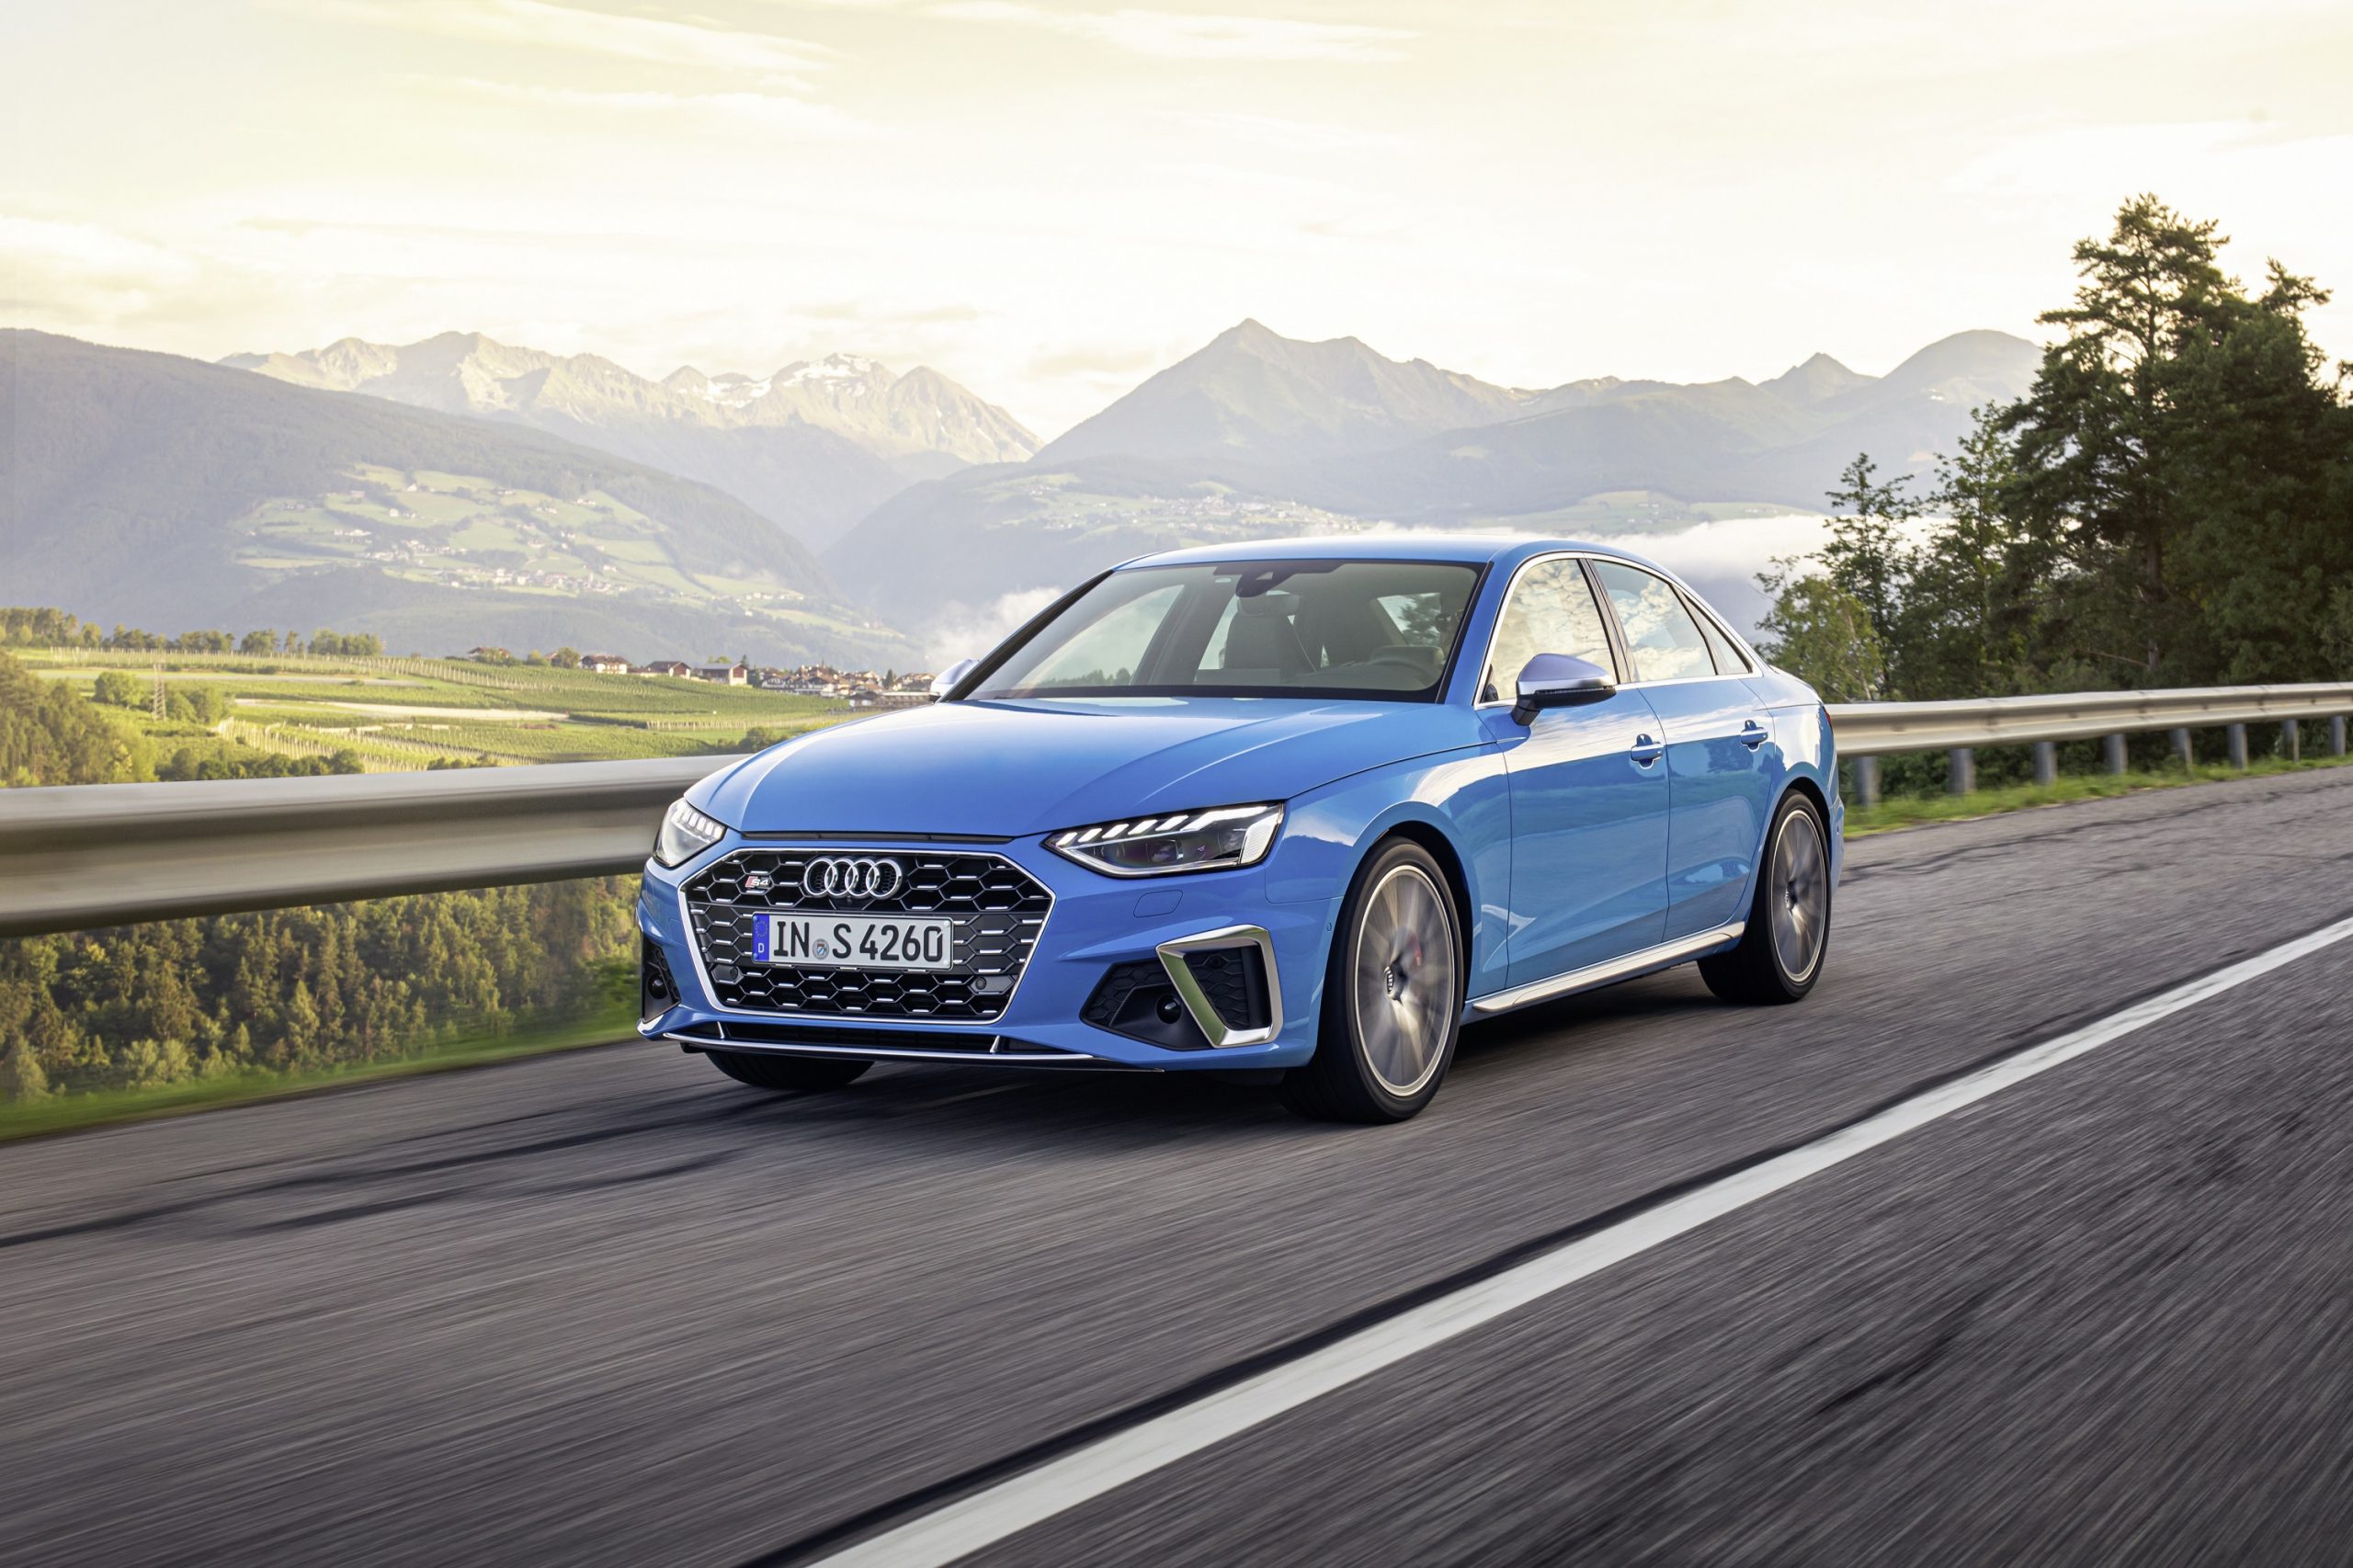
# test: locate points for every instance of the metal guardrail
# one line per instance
(78, 857)
(1871, 729)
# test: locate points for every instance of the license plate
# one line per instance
(854, 941)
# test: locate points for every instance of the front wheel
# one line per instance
(1392, 995)
(801, 1075)
(1779, 956)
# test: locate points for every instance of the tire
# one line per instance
(1384, 1044)
(1786, 942)
(801, 1075)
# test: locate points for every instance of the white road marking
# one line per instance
(1013, 1506)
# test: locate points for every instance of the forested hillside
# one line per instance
(48, 735)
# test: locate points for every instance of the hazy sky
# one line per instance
(1047, 200)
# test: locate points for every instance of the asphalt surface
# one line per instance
(608, 1307)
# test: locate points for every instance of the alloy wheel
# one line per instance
(1404, 989)
(1799, 902)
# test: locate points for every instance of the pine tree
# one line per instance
(21, 1077)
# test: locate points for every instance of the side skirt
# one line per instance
(1666, 955)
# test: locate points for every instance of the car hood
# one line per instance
(1011, 769)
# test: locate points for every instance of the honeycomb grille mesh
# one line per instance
(1235, 984)
(998, 909)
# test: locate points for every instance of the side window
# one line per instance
(1728, 658)
(1551, 611)
(1660, 633)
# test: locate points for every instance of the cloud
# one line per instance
(546, 24)
(1096, 361)
(1260, 132)
(65, 274)
(967, 631)
(1170, 35)
(722, 111)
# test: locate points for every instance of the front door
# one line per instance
(1589, 789)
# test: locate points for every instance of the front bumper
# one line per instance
(1096, 923)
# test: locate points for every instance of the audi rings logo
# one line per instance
(837, 877)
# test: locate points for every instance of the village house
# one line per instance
(665, 667)
(723, 675)
(604, 663)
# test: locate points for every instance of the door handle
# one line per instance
(1645, 751)
(1754, 735)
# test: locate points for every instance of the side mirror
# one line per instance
(945, 681)
(1557, 680)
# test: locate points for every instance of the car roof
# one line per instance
(1470, 548)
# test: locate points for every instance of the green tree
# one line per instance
(21, 1074)
(2337, 634)
(1962, 626)
(1867, 555)
(1823, 634)
(2180, 466)
(117, 689)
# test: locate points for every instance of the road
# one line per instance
(607, 1307)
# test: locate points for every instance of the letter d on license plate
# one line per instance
(854, 941)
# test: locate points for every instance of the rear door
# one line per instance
(1589, 788)
(1722, 769)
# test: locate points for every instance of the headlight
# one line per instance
(1214, 840)
(685, 832)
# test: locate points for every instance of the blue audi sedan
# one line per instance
(1300, 808)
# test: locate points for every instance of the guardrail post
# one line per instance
(2237, 734)
(2116, 758)
(2337, 736)
(1867, 782)
(2046, 762)
(2292, 739)
(2181, 750)
(1960, 771)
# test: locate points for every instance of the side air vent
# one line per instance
(1137, 1000)
(656, 992)
(1234, 981)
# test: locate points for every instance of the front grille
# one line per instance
(998, 909)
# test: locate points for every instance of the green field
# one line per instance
(398, 715)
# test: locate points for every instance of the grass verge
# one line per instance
(72, 1113)
(1911, 811)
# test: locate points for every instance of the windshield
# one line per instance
(1381, 630)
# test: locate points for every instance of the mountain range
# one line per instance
(474, 492)
(1258, 434)
(813, 446)
(168, 494)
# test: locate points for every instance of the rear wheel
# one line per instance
(1779, 956)
(1392, 995)
(804, 1075)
